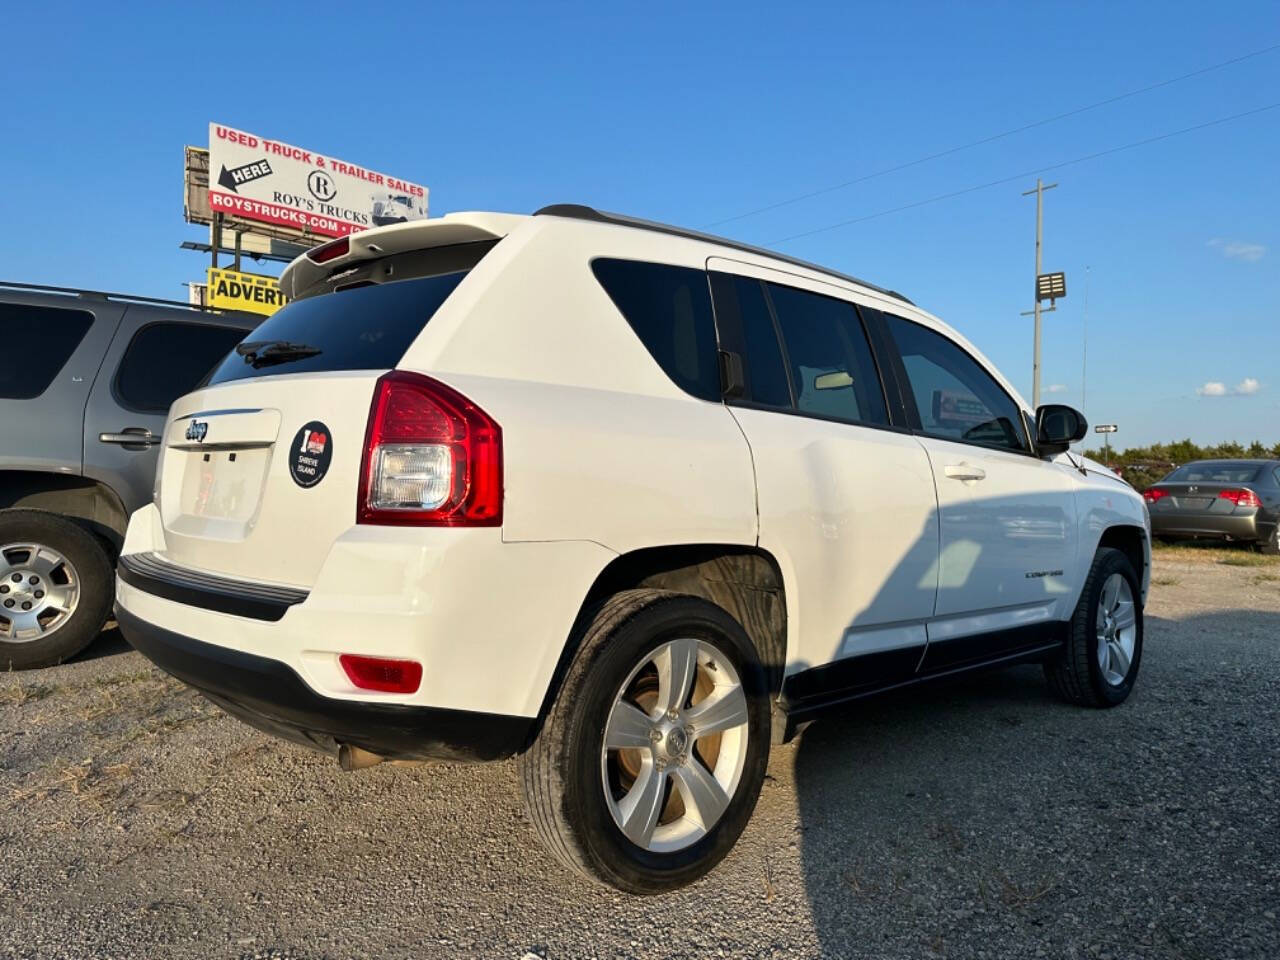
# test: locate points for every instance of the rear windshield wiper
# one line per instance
(263, 353)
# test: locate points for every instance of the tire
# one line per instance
(1271, 545)
(574, 788)
(44, 550)
(1078, 674)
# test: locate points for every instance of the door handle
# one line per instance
(129, 437)
(964, 471)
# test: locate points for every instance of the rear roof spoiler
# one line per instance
(454, 228)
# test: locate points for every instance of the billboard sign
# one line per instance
(265, 181)
(229, 290)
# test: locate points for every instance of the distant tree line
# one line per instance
(1143, 466)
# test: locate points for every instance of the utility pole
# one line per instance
(1041, 187)
(1084, 347)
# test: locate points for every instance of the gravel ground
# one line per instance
(976, 819)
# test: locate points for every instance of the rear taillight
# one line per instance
(431, 457)
(330, 251)
(382, 673)
(1241, 498)
(1152, 494)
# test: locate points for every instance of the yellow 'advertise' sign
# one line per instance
(250, 292)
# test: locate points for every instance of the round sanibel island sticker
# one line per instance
(310, 454)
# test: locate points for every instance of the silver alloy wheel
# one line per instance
(1117, 629)
(39, 591)
(675, 744)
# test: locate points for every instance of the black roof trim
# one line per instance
(102, 295)
(578, 211)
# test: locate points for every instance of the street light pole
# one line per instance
(1041, 187)
(1106, 429)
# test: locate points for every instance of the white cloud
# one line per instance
(1216, 388)
(1239, 249)
(1056, 388)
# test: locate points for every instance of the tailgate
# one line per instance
(258, 477)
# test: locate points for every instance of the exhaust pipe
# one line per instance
(357, 758)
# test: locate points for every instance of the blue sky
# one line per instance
(696, 113)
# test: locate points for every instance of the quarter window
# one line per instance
(55, 334)
(955, 397)
(833, 373)
(669, 308)
(166, 360)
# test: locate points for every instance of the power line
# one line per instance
(998, 136)
(1027, 173)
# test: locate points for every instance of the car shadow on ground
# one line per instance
(109, 642)
(982, 814)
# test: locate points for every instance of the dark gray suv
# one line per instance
(82, 406)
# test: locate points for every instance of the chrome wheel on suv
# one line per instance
(1117, 629)
(674, 745)
(1099, 661)
(39, 591)
(56, 588)
(652, 755)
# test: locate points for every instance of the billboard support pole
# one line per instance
(237, 264)
(217, 238)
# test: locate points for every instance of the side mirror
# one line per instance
(1057, 427)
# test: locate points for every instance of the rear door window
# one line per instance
(165, 360)
(745, 324)
(366, 328)
(669, 308)
(54, 334)
(833, 373)
(956, 398)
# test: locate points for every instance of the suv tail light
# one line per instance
(382, 673)
(1241, 498)
(1152, 494)
(431, 457)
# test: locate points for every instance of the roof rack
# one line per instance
(101, 295)
(578, 211)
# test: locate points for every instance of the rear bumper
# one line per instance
(271, 696)
(1176, 524)
(487, 619)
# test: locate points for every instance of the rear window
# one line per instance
(366, 328)
(54, 335)
(1223, 472)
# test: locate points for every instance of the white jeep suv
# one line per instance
(627, 501)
